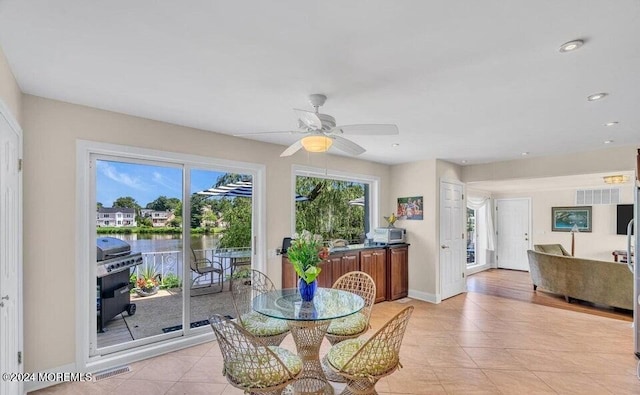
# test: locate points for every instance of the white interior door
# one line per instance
(513, 231)
(10, 253)
(452, 243)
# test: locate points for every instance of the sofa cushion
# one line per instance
(555, 249)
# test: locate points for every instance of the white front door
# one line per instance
(513, 231)
(452, 243)
(10, 253)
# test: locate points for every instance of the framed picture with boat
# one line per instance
(563, 219)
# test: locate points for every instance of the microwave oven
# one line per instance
(389, 235)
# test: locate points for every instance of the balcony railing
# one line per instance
(170, 262)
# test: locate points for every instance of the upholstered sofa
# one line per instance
(600, 282)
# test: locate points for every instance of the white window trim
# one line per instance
(86, 243)
(318, 172)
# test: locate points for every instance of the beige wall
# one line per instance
(51, 129)
(600, 161)
(595, 245)
(10, 92)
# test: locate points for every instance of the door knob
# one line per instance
(5, 297)
(444, 246)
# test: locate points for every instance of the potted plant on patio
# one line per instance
(148, 281)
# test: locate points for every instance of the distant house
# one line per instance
(116, 216)
(158, 218)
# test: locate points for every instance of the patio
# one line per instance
(162, 312)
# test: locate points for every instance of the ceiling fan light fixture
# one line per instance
(316, 143)
(615, 179)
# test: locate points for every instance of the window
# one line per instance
(335, 205)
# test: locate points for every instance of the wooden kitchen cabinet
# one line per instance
(348, 262)
(374, 263)
(398, 269)
(290, 277)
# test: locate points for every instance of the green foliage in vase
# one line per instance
(305, 253)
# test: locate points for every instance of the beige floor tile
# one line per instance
(143, 387)
(168, 367)
(206, 370)
(544, 361)
(449, 357)
(517, 382)
(465, 388)
(182, 388)
(493, 358)
(618, 384)
(572, 383)
(462, 375)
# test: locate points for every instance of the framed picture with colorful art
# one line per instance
(410, 208)
(563, 219)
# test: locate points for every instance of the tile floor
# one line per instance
(470, 344)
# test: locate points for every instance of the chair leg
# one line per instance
(364, 386)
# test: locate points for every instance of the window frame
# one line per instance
(86, 154)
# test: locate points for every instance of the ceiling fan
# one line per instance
(320, 131)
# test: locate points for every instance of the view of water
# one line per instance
(163, 242)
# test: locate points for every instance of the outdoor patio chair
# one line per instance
(204, 266)
(251, 365)
(352, 326)
(245, 287)
(363, 362)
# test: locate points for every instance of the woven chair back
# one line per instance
(244, 356)
(246, 288)
(360, 283)
(383, 346)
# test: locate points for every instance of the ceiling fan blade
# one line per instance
(259, 133)
(347, 146)
(373, 129)
(293, 148)
(309, 119)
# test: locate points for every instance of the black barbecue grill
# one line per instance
(114, 260)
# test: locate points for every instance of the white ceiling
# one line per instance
(470, 80)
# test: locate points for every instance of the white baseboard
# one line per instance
(424, 296)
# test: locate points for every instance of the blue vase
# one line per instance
(307, 291)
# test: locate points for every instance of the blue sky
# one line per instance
(144, 182)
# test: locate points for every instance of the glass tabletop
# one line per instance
(327, 304)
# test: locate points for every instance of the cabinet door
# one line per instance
(325, 279)
(350, 263)
(374, 263)
(399, 273)
(289, 276)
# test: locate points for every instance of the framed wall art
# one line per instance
(410, 208)
(564, 218)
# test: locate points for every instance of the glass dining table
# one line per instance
(308, 322)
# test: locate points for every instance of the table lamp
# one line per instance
(574, 230)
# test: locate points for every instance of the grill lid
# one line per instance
(110, 247)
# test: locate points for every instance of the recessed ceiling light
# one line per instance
(524, 154)
(614, 123)
(395, 144)
(597, 96)
(464, 161)
(571, 46)
(608, 141)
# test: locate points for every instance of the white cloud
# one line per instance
(123, 178)
(164, 182)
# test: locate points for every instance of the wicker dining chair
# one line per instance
(248, 284)
(352, 326)
(251, 365)
(363, 362)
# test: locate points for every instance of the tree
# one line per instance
(100, 205)
(163, 203)
(237, 215)
(126, 202)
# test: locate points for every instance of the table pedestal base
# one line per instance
(308, 336)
